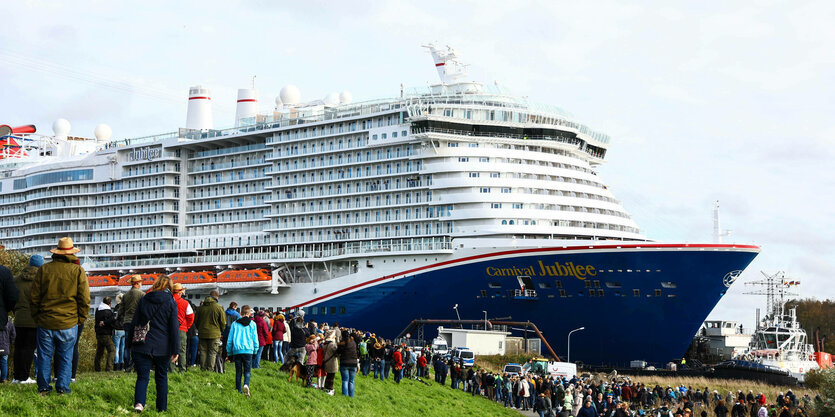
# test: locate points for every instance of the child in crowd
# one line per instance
(242, 346)
(311, 348)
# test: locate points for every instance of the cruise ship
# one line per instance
(372, 214)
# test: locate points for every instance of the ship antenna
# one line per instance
(253, 81)
(775, 288)
(718, 233)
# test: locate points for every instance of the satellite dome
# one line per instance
(290, 94)
(278, 102)
(346, 97)
(103, 132)
(332, 99)
(61, 127)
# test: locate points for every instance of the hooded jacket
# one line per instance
(60, 296)
(263, 330)
(104, 320)
(278, 330)
(211, 319)
(243, 337)
(347, 351)
(163, 338)
(22, 312)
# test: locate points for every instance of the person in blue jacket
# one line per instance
(242, 345)
(158, 310)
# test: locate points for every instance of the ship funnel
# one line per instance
(199, 114)
(247, 106)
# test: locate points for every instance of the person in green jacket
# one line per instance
(59, 302)
(25, 327)
(211, 320)
(125, 313)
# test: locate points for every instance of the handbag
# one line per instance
(140, 333)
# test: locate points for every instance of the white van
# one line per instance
(439, 346)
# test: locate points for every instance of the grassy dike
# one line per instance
(199, 393)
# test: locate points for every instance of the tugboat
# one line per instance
(779, 345)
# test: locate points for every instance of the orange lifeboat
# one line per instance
(194, 280)
(147, 281)
(244, 279)
(103, 283)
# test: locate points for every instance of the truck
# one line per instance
(512, 369)
(541, 366)
(464, 356)
(440, 346)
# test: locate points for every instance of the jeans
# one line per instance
(119, 342)
(193, 341)
(256, 359)
(243, 368)
(386, 369)
(297, 354)
(4, 367)
(60, 343)
(75, 349)
(508, 399)
(143, 364)
(365, 365)
(378, 369)
(278, 351)
(348, 373)
(24, 352)
(126, 357)
(398, 375)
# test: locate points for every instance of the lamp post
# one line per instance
(485, 318)
(455, 307)
(568, 354)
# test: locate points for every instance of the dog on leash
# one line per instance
(296, 370)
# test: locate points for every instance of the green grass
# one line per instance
(199, 393)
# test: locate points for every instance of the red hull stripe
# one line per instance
(441, 64)
(519, 251)
(246, 99)
(200, 98)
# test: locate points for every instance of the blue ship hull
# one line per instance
(636, 302)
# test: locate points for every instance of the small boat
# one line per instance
(195, 280)
(244, 279)
(103, 284)
(147, 281)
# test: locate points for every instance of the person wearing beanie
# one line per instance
(25, 328)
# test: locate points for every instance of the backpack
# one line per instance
(363, 348)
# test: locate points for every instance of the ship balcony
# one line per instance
(525, 295)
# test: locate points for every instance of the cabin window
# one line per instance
(636, 293)
(668, 284)
(494, 285)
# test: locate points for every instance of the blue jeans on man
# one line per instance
(193, 342)
(75, 350)
(365, 365)
(143, 364)
(59, 343)
(243, 368)
(4, 367)
(378, 369)
(278, 351)
(119, 343)
(508, 399)
(348, 373)
(386, 369)
(256, 358)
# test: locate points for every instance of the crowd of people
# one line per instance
(160, 329)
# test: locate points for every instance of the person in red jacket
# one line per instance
(422, 366)
(397, 365)
(263, 331)
(278, 331)
(185, 315)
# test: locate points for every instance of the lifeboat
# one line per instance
(195, 280)
(102, 284)
(244, 279)
(147, 281)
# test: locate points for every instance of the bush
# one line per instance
(823, 381)
(13, 260)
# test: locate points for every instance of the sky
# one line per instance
(704, 101)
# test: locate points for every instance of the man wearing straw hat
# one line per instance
(126, 309)
(59, 302)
